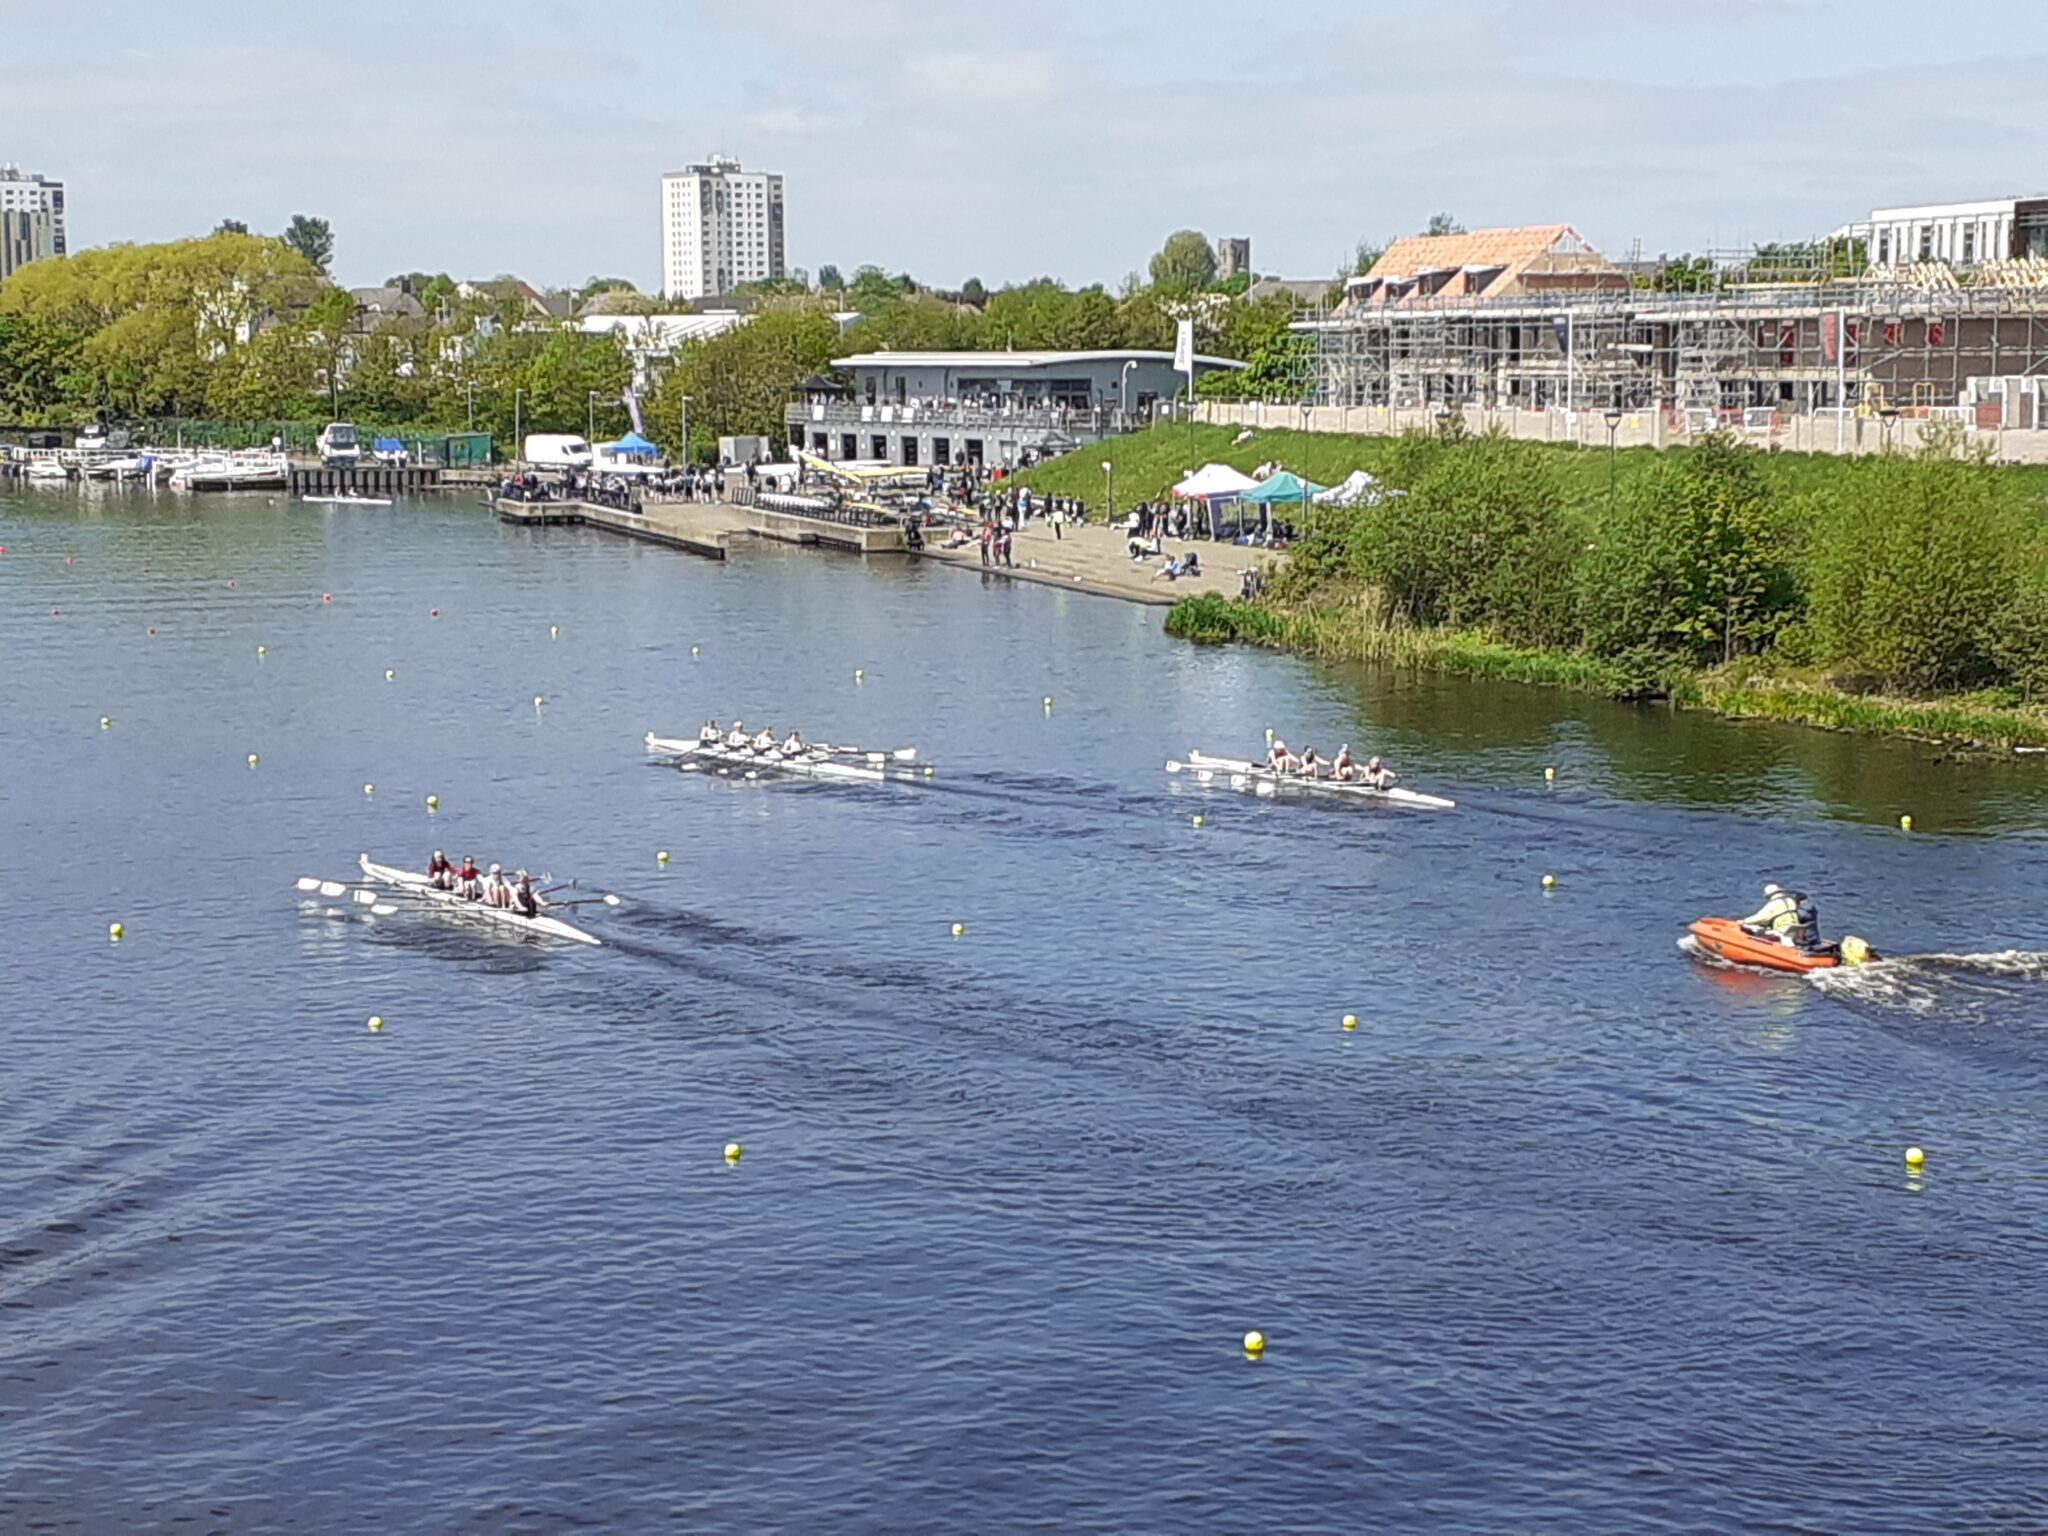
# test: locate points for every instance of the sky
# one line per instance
(955, 139)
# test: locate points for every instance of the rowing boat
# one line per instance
(865, 768)
(415, 884)
(346, 501)
(1245, 776)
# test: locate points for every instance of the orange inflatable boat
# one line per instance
(1728, 940)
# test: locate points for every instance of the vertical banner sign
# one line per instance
(1830, 337)
(1184, 347)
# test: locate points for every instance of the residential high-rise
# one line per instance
(720, 227)
(31, 219)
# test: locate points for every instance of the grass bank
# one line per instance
(1352, 630)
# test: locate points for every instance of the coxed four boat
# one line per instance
(1248, 777)
(841, 764)
(413, 883)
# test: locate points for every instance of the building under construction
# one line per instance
(1536, 320)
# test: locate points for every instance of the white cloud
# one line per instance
(787, 120)
(999, 79)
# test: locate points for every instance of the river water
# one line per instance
(1571, 1233)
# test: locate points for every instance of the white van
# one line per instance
(556, 450)
(339, 447)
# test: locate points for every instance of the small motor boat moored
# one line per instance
(1726, 939)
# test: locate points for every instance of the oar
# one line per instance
(606, 900)
(900, 754)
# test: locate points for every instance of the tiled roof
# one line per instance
(1486, 263)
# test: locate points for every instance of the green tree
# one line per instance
(1184, 263)
(973, 292)
(1691, 566)
(739, 382)
(829, 279)
(1911, 555)
(231, 227)
(312, 238)
(596, 285)
(1443, 224)
(2018, 640)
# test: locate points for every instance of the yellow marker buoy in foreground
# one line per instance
(1549, 881)
(390, 675)
(1915, 1157)
(1351, 1021)
(262, 650)
(732, 1151)
(929, 771)
(433, 802)
(1198, 820)
(859, 674)
(369, 789)
(106, 722)
(1254, 1344)
(1550, 775)
(1048, 701)
(693, 650)
(958, 929)
(254, 759)
(661, 857)
(1905, 823)
(538, 701)
(554, 631)
(376, 1023)
(114, 932)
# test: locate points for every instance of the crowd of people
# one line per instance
(1341, 769)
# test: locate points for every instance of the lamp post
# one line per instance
(470, 389)
(1123, 385)
(1109, 492)
(1888, 415)
(518, 442)
(686, 431)
(1613, 426)
(590, 415)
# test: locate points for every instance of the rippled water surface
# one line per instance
(1571, 1234)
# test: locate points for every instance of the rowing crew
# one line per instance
(762, 741)
(492, 889)
(1342, 769)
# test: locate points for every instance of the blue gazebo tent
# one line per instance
(632, 446)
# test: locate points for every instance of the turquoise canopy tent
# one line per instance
(1280, 488)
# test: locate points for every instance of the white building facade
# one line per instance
(720, 226)
(31, 219)
(1960, 234)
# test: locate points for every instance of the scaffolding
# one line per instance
(1919, 341)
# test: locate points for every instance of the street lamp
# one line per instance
(1613, 426)
(518, 442)
(590, 415)
(686, 431)
(1123, 385)
(1888, 414)
(1109, 491)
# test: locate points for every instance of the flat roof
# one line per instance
(1018, 360)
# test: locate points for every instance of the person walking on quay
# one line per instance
(1009, 537)
(987, 533)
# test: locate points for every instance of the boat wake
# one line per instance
(1928, 983)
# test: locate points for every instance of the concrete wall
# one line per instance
(1637, 429)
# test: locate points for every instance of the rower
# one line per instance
(469, 880)
(525, 899)
(440, 873)
(1279, 759)
(1311, 764)
(1378, 775)
(737, 736)
(764, 739)
(1342, 768)
(794, 746)
(708, 737)
(496, 892)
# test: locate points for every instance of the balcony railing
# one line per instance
(955, 417)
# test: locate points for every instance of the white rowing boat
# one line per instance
(841, 764)
(415, 884)
(346, 501)
(1245, 776)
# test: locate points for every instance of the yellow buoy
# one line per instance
(390, 675)
(859, 674)
(254, 759)
(1198, 820)
(538, 701)
(1550, 775)
(1549, 881)
(376, 1022)
(1048, 701)
(554, 631)
(1905, 823)
(958, 929)
(262, 650)
(114, 932)
(369, 789)
(693, 650)
(732, 1151)
(1351, 1021)
(661, 857)
(433, 802)
(105, 722)
(1269, 735)
(929, 771)
(1915, 1157)
(1254, 1344)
